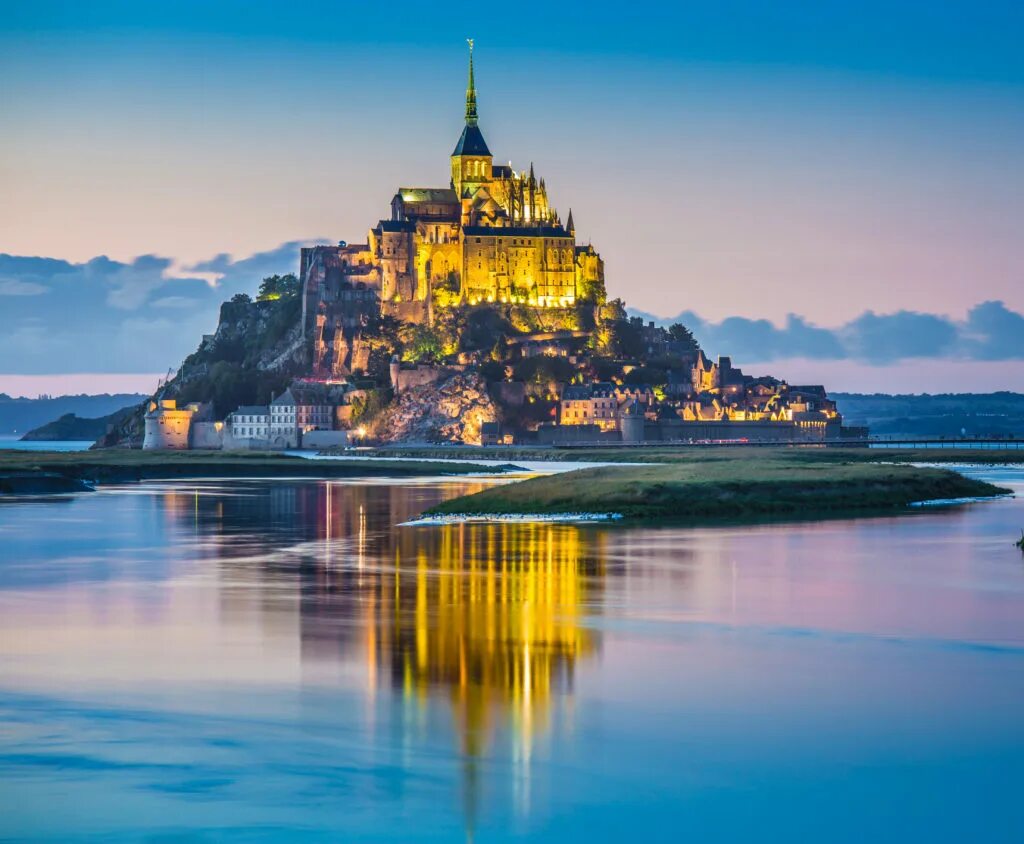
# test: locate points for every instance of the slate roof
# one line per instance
(396, 226)
(471, 142)
(516, 231)
(428, 195)
(582, 392)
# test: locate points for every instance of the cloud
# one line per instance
(760, 339)
(235, 276)
(15, 287)
(990, 332)
(882, 338)
(994, 332)
(176, 302)
(103, 315)
(147, 314)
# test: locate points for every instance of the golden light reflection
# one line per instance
(487, 619)
(490, 615)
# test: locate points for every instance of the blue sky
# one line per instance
(729, 160)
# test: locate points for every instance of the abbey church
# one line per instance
(492, 235)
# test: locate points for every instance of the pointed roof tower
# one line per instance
(472, 140)
(570, 226)
(471, 117)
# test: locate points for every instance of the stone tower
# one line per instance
(632, 422)
(471, 159)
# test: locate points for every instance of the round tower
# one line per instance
(166, 425)
(632, 422)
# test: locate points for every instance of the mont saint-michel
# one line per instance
(472, 314)
(412, 515)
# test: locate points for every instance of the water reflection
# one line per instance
(488, 616)
(268, 659)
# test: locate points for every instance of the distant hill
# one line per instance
(19, 415)
(72, 427)
(943, 415)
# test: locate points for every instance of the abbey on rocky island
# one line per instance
(471, 315)
(492, 235)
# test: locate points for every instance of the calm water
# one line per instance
(259, 661)
(11, 441)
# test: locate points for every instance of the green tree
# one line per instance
(484, 326)
(448, 291)
(278, 287)
(366, 409)
(544, 369)
(651, 375)
(492, 371)
(621, 338)
(679, 333)
(421, 343)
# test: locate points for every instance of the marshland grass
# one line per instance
(727, 484)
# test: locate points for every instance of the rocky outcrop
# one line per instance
(256, 351)
(449, 411)
(72, 427)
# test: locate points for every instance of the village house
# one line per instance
(299, 410)
(250, 422)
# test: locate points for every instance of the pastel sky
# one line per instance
(729, 159)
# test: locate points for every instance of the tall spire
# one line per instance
(471, 118)
(570, 226)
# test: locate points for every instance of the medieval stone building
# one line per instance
(492, 235)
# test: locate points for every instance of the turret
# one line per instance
(531, 186)
(632, 422)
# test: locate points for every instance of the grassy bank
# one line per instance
(707, 454)
(727, 484)
(122, 465)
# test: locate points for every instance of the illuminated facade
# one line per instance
(167, 426)
(492, 235)
(601, 404)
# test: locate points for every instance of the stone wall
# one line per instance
(680, 430)
(407, 379)
(207, 435)
(575, 435)
(324, 439)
